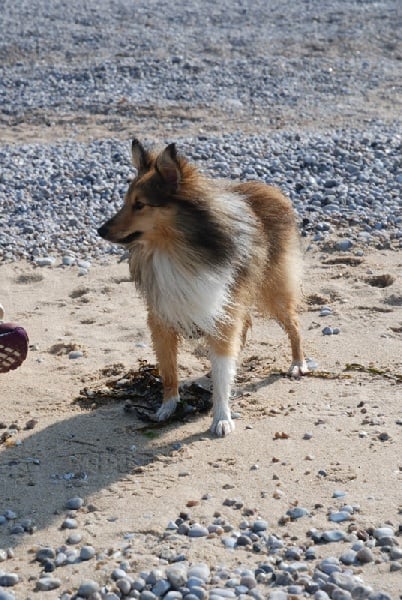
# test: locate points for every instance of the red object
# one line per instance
(13, 346)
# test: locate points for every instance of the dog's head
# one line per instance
(149, 205)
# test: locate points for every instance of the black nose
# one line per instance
(102, 231)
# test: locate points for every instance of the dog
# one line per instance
(202, 253)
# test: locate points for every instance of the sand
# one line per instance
(135, 479)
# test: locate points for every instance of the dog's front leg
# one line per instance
(165, 343)
(224, 350)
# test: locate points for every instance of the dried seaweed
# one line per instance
(142, 391)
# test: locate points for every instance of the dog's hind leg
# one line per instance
(282, 308)
(165, 343)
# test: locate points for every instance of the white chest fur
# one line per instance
(188, 300)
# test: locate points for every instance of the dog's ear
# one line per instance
(141, 158)
(168, 166)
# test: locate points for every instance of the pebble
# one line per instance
(297, 512)
(383, 532)
(74, 538)
(69, 524)
(334, 535)
(45, 584)
(197, 530)
(74, 503)
(75, 354)
(338, 494)
(9, 579)
(364, 555)
(87, 552)
(259, 525)
(338, 517)
(200, 571)
(6, 595)
(87, 588)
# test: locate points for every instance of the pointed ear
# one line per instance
(168, 166)
(141, 158)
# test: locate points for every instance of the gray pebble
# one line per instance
(381, 532)
(259, 525)
(74, 538)
(87, 552)
(197, 530)
(87, 588)
(334, 535)
(8, 579)
(344, 580)
(69, 524)
(74, 354)
(200, 571)
(10, 515)
(6, 595)
(124, 585)
(222, 593)
(161, 587)
(45, 553)
(364, 555)
(45, 584)
(45, 261)
(147, 595)
(361, 592)
(177, 575)
(329, 565)
(348, 557)
(277, 595)
(74, 503)
(339, 517)
(297, 512)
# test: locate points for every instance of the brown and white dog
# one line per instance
(202, 252)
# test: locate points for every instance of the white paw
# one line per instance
(222, 427)
(167, 409)
(297, 369)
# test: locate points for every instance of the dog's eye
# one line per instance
(138, 205)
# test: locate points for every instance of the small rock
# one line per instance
(45, 553)
(69, 524)
(87, 588)
(364, 555)
(259, 525)
(45, 584)
(338, 494)
(177, 575)
(334, 535)
(161, 587)
(197, 530)
(9, 579)
(201, 571)
(382, 532)
(348, 557)
(339, 517)
(74, 503)
(87, 552)
(74, 538)
(297, 512)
